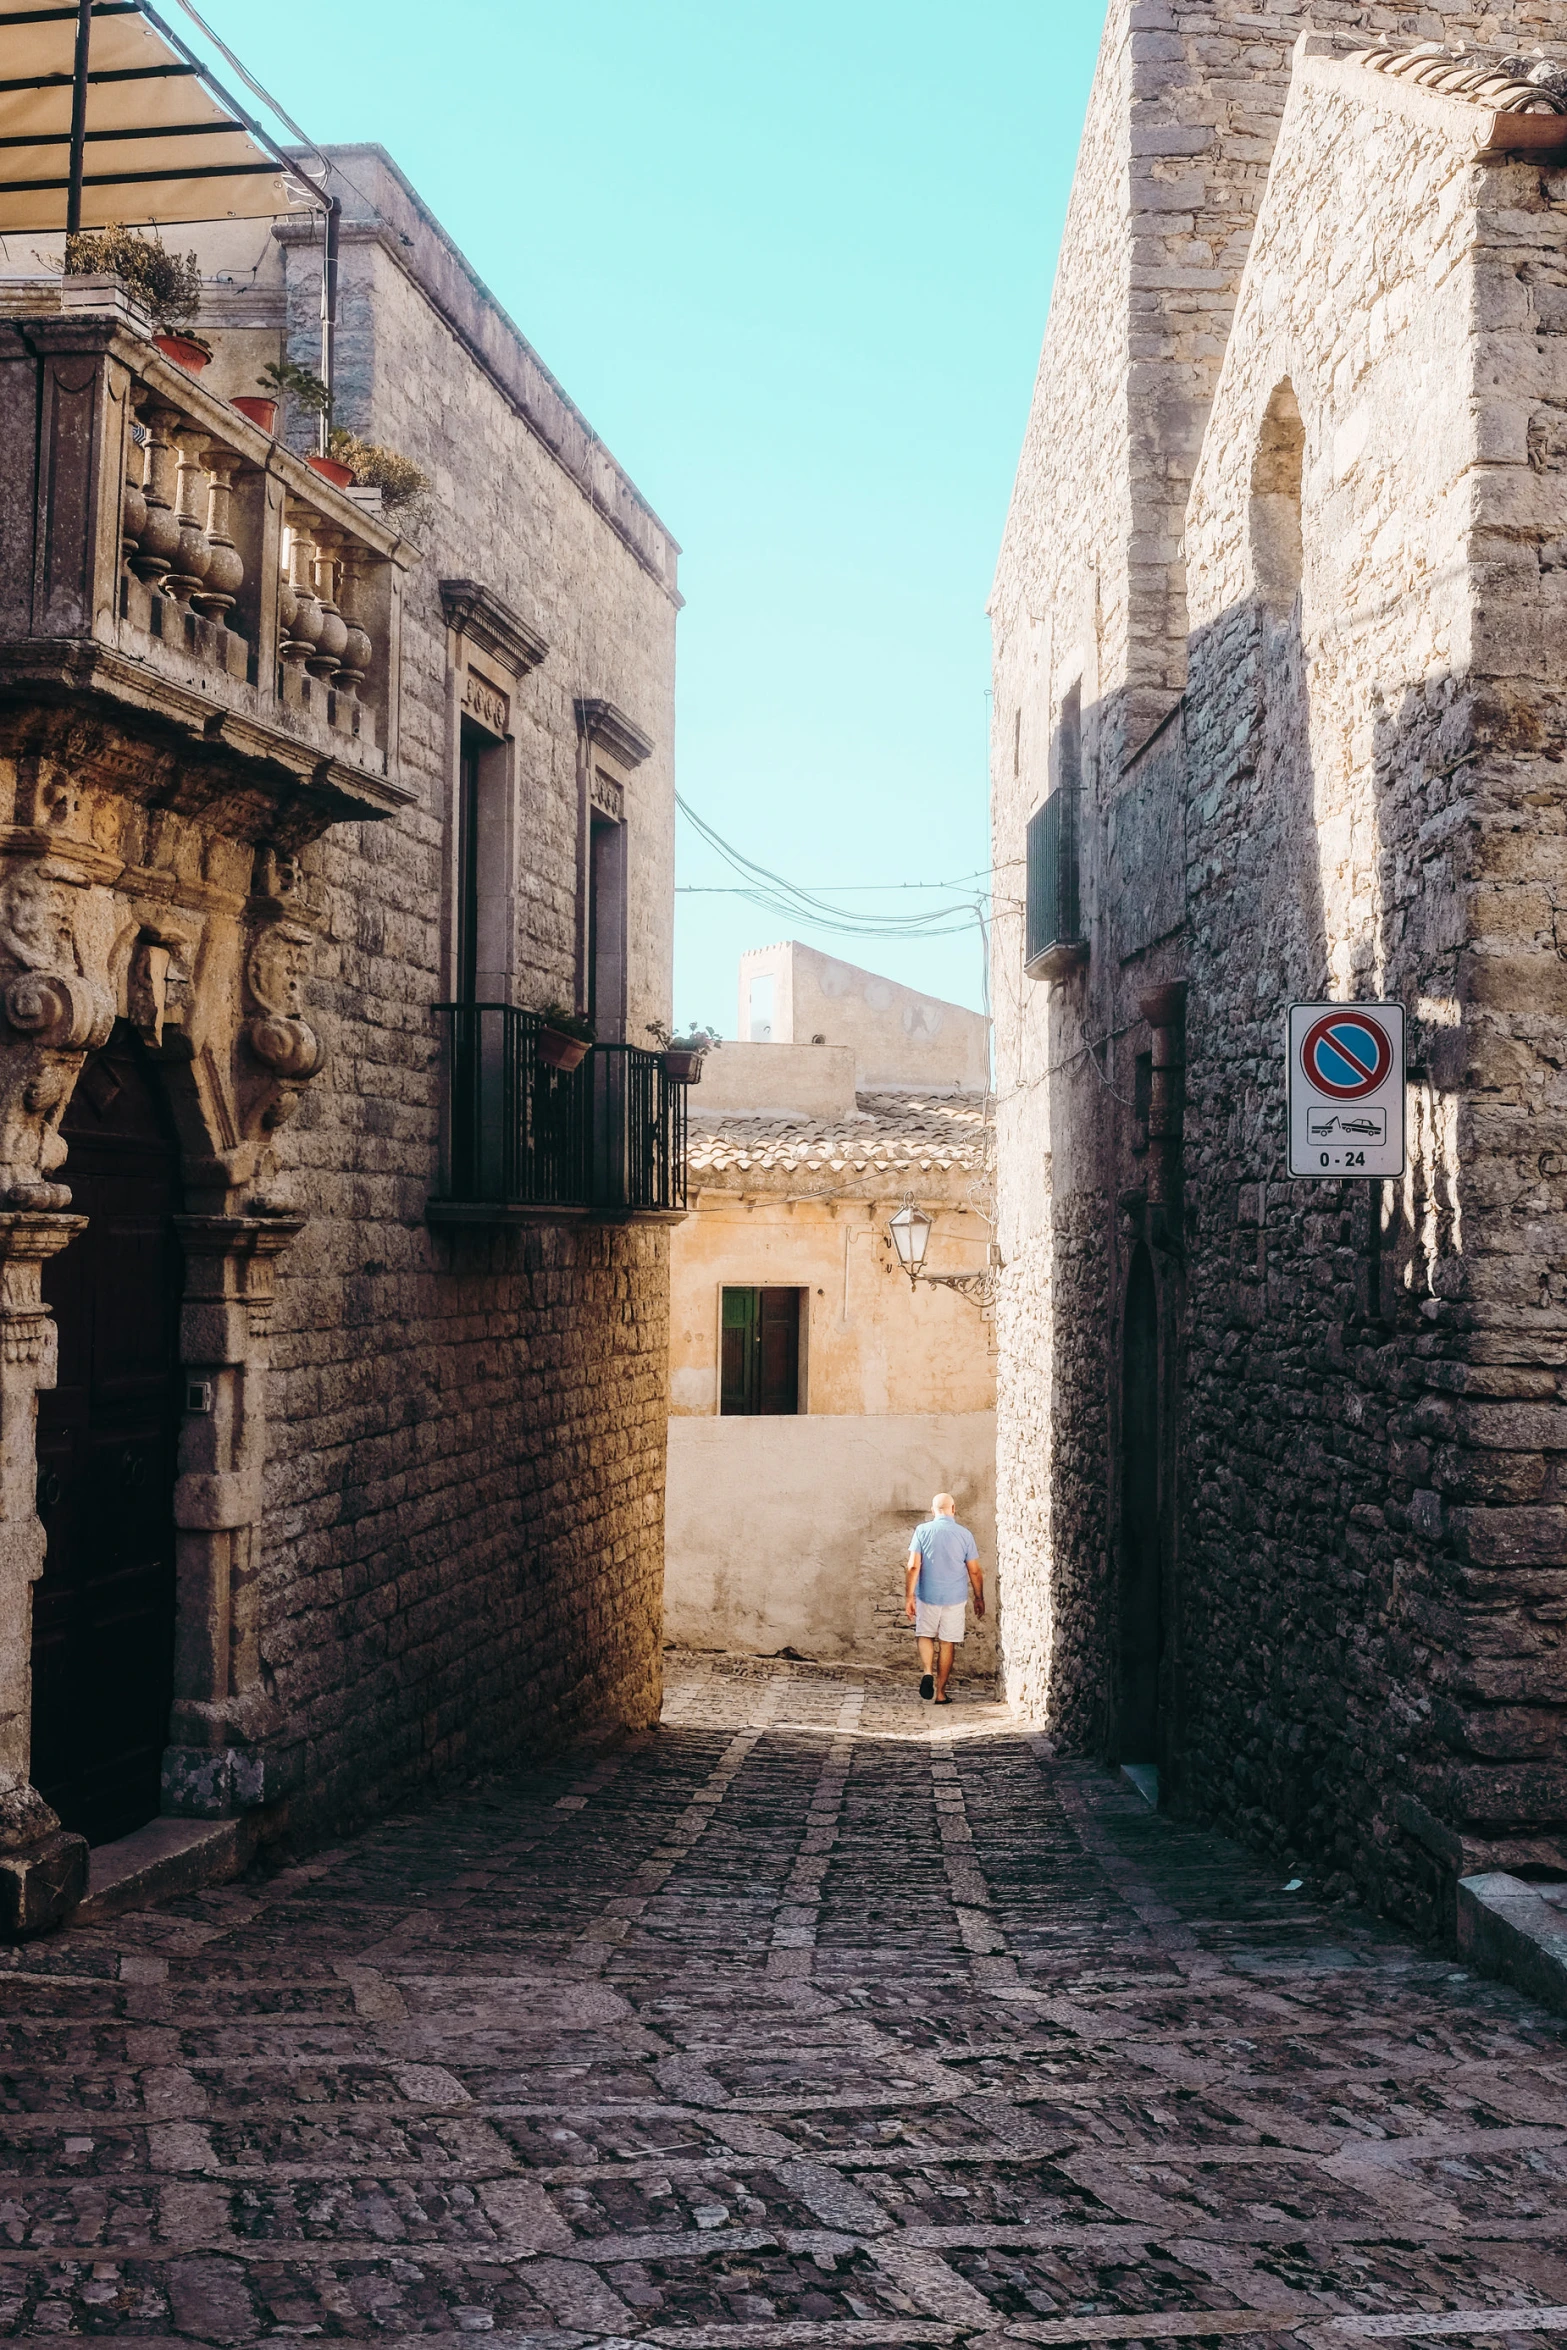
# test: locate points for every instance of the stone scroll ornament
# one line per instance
(278, 1035)
(55, 1013)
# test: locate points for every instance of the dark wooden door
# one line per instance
(1141, 1569)
(760, 1366)
(103, 1609)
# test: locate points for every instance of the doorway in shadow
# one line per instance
(1141, 1629)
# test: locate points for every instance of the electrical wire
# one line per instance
(774, 893)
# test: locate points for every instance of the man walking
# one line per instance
(943, 1566)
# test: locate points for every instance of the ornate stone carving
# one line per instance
(278, 1035)
(49, 1001)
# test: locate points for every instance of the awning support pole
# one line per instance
(73, 201)
(334, 216)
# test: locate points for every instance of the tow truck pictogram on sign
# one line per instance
(1344, 1073)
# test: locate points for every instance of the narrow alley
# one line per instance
(815, 2017)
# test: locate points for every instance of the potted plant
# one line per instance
(406, 489)
(565, 1038)
(684, 1055)
(285, 380)
(168, 285)
(261, 411)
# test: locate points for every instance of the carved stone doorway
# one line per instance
(104, 1608)
(1141, 1580)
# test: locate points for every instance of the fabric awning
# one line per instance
(160, 145)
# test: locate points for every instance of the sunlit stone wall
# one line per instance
(1343, 1671)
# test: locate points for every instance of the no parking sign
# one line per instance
(1345, 1081)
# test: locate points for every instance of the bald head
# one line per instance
(943, 1506)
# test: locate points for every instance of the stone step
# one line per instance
(165, 1857)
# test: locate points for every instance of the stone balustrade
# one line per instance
(169, 528)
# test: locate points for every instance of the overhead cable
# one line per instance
(777, 895)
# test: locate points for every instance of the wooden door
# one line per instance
(103, 1609)
(1141, 1587)
(759, 1369)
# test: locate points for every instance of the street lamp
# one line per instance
(910, 1229)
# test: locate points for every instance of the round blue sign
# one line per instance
(1346, 1055)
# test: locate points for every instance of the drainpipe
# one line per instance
(334, 221)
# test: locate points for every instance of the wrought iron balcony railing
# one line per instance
(607, 1138)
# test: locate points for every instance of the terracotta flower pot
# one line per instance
(260, 412)
(340, 476)
(185, 351)
(558, 1049)
(684, 1066)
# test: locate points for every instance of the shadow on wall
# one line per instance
(1239, 1581)
(1280, 1563)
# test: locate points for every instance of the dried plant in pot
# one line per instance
(167, 285)
(684, 1054)
(565, 1038)
(407, 492)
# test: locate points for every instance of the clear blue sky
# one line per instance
(793, 262)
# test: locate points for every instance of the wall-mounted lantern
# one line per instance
(911, 1229)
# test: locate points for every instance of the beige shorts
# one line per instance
(939, 1623)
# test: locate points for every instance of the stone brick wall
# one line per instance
(1338, 1674)
(464, 1493)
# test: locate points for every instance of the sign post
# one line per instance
(1345, 1066)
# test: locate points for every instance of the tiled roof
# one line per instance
(892, 1132)
(1507, 85)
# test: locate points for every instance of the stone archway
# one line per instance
(108, 1435)
(198, 941)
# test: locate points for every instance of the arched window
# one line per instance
(1275, 502)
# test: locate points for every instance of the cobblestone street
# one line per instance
(818, 2017)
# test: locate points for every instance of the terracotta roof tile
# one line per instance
(886, 1131)
(1507, 85)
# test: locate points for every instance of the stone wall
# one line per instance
(463, 1534)
(793, 1534)
(898, 1035)
(464, 1537)
(1378, 1676)
(1292, 1700)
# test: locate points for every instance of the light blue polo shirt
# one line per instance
(945, 1549)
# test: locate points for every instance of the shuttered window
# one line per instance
(1054, 923)
(760, 1361)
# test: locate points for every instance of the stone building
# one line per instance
(1279, 716)
(795, 995)
(352, 1467)
(818, 1398)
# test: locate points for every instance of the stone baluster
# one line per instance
(133, 500)
(194, 559)
(226, 568)
(159, 539)
(333, 640)
(358, 650)
(299, 614)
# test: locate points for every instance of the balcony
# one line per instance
(171, 566)
(524, 1141)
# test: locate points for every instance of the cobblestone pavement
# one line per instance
(818, 2017)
